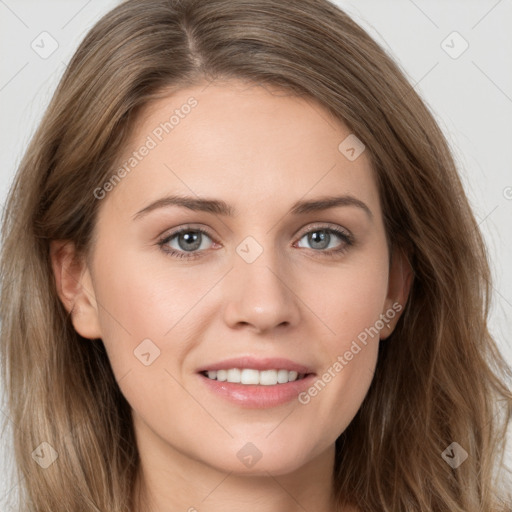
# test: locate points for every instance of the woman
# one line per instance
(240, 272)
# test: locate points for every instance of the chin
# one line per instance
(260, 456)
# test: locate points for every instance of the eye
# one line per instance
(323, 237)
(188, 240)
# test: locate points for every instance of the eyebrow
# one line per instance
(219, 207)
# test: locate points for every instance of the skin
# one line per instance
(259, 150)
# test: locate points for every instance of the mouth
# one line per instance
(251, 376)
(257, 383)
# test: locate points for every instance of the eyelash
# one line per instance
(332, 253)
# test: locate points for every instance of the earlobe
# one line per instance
(75, 288)
(399, 285)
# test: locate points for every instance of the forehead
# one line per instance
(247, 144)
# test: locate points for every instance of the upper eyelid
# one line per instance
(322, 225)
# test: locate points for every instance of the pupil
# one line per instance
(323, 236)
(192, 240)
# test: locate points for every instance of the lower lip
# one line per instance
(258, 396)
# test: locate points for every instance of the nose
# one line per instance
(260, 295)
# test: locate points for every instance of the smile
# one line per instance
(250, 376)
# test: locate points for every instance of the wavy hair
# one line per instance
(440, 377)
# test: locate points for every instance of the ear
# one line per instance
(75, 288)
(399, 286)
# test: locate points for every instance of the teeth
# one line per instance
(250, 376)
(233, 375)
(271, 377)
(282, 376)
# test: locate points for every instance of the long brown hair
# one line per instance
(439, 378)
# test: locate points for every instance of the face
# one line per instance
(263, 284)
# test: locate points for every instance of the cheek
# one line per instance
(137, 309)
(350, 306)
(138, 299)
(144, 318)
(151, 317)
(349, 298)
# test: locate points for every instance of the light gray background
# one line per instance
(470, 96)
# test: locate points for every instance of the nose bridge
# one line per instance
(259, 286)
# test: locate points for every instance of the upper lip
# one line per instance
(257, 364)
